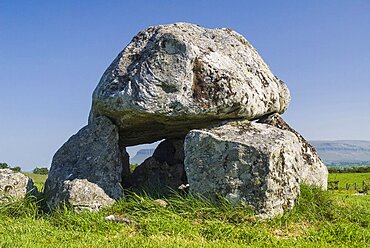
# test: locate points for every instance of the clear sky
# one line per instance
(53, 53)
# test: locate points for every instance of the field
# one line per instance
(350, 179)
(38, 180)
(320, 219)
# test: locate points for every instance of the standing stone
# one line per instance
(15, 185)
(177, 77)
(243, 161)
(92, 154)
(126, 171)
(313, 172)
(165, 169)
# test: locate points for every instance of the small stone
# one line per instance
(161, 202)
(83, 195)
(120, 219)
(109, 217)
(15, 185)
(184, 186)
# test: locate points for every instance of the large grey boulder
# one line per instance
(164, 169)
(313, 172)
(243, 161)
(15, 185)
(173, 78)
(92, 154)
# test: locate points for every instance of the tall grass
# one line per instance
(319, 219)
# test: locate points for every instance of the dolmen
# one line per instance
(216, 106)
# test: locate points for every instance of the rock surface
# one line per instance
(15, 185)
(181, 76)
(83, 195)
(165, 169)
(244, 161)
(313, 171)
(92, 154)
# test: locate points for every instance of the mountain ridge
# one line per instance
(343, 152)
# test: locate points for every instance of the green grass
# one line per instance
(350, 178)
(38, 180)
(320, 219)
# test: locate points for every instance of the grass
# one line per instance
(350, 178)
(37, 179)
(320, 219)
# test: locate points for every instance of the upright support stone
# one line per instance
(126, 172)
(314, 171)
(163, 170)
(243, 161)
(90, 161)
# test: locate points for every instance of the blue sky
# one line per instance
(53, 53)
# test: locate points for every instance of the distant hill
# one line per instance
(343, 152)
(141, 155)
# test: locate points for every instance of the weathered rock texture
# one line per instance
(165, 169)
(243, 161)
(82, 195)
(313, 171)
(15, 185)
(181, 76)
(92, 154)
